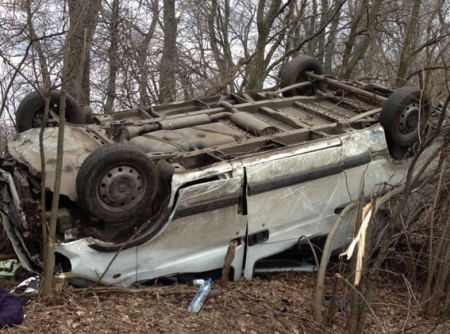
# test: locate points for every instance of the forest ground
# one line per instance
(275, 303)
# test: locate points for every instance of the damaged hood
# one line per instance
(77, 146)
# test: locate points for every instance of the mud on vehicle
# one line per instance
(171, 185)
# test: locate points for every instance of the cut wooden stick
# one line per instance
(229, 257)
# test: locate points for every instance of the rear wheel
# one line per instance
(117, 184)
(295, 72)
(30, 112)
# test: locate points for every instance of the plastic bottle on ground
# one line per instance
(200, 296)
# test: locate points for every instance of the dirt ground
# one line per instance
(277, 303)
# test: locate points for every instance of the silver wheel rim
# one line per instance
(410, 119)
(121, 188)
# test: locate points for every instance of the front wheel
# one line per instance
(404, 117)
(117, 184)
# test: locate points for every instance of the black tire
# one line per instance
(31, 110)
(404, 114)
(117, 184)
(400, 152)
(294, 72)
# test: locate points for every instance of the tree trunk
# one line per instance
(321, 38)
(113, 56)
(83, 18)
(350, 42)
(45, 291)
(312, 46)
(354, 52)
(331, 44)
(45, 288)
(405, 55)
(49, 227)
(37, 46)
(264, 25)
(142, 51)
(218, 25)
(169, 63)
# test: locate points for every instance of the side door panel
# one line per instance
(297, 195)
(204, 221)
(288, 197)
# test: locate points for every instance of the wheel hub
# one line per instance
(303, 77)
(409, 119)
(121, 188)
(38, 118)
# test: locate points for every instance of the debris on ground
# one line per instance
(11, 309)
(30, 285)
(9, 268)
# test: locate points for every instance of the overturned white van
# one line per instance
(163, 190)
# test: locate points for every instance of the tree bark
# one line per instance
(321, 38)
(331, 43)
(49, 227)
(37, 46)
(218, 24)
(405, 55)
(169, 63)
(142, 50)
(312, 47)
(113, 56)
(83, 18)
(354, 52)
(350, 43)
(264, 24)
